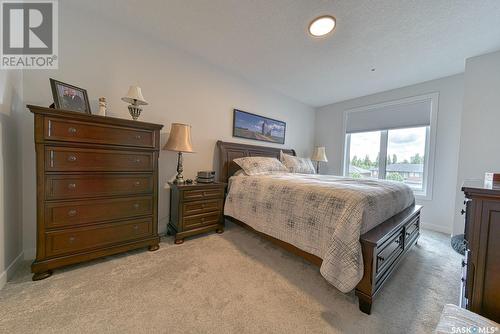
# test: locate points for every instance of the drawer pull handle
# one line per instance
(71, 239)
(72, 130)
(138, 137)
(137, 183)
(137, 160)
(136, 227)
(136, 206)
(381, 258)
(72, 213)
(72, 186)
(72, 158)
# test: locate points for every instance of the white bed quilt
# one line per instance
(320, 214)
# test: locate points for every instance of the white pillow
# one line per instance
(260, 165)
(297, 165)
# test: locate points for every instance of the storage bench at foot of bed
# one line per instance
(383, 249)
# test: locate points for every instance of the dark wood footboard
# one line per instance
(383, 249)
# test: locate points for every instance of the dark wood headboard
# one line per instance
(230, 151)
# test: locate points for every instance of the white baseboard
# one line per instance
(7, 273)
(30, 254)
(436, 228)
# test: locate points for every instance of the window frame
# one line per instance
(430, 142)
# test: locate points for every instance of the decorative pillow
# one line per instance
(260, 165)
(297, 165)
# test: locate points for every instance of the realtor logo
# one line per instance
(29, 34)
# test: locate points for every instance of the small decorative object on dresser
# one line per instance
(195, 208)
(135, 98)
(69, 97)
(319, 155)
(179, 141)
(97, 187)
(102, 106)
(480, 292)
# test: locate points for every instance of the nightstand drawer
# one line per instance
(194, 208)
(203, 193)
(202, 220)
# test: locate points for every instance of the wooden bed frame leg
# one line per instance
(365, 304)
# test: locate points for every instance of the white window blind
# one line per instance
(392, 116)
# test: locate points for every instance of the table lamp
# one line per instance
(179, 141)
(319, 155)
(135, 98)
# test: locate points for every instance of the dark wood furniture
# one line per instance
(195, 208)
(481, 279)
(383, 247)
(97, 187)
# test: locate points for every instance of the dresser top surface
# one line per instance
(481, 187)
(73, 115)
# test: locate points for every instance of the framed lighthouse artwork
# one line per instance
(256, 127)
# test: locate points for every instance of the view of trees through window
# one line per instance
(404, 160)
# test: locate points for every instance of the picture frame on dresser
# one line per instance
(97, 187)
(69, 97)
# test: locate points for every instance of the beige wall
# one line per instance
(438, 213)
(10, 177)
(106, 58)
(480, 139)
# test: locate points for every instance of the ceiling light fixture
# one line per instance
(322, 25)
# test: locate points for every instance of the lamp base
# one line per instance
(179, 179)
(134, 111)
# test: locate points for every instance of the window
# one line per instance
(364, 155)
(406, 155)
(393, 141)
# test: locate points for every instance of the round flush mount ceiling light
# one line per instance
(322, 26)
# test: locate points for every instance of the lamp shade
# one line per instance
(134, 96)
(179, 139)
(319, 154)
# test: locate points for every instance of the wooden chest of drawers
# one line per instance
(195, 209)
(97, 187)
(481, 279)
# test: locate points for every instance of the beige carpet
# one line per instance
(229, 283)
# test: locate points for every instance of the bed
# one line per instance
(356, 231)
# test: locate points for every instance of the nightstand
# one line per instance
(196, 208)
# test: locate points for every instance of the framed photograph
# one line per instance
(69, 97)
(251, 126)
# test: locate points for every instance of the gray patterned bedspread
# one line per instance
(320, 214)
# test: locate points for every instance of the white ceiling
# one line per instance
(266, 41)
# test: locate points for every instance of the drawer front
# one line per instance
(83, 132)
(197, 207)
(201, 220)
(203, 193)
(64, 214)
(78, 186)
(388, 252)
(87, 238)
(412, 231)
(79, 159)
